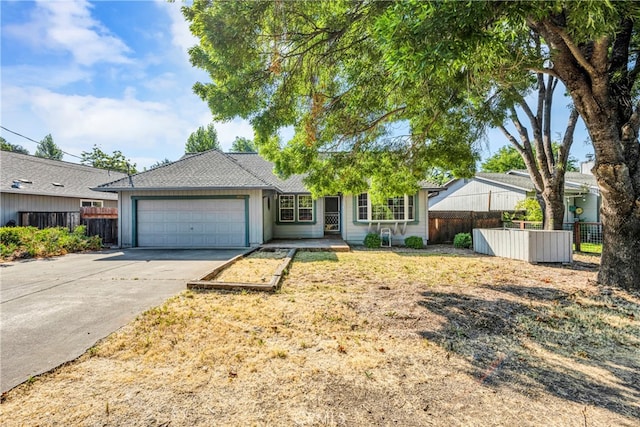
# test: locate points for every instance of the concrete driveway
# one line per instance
(53, 310)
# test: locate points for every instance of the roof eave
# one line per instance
(42, 193)
(125, 189)
(493, 181)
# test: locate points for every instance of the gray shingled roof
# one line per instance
(265, 170)
(516, 181)
(521, 179)
(207, 170)
(580, 179)
(294, 184)
(25, 174)
(215, 170)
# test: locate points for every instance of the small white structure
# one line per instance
(527, 245)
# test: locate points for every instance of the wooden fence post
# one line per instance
(576, 235)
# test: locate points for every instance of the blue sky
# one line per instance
(115, 74)
(111, 73)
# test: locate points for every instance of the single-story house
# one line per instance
(34, 184)
(501, 191)
(447, 188)
(215, 199)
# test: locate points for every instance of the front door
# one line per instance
(332, 215)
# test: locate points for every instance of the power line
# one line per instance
(38, 142)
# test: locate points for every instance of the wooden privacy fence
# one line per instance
(444, 225)
(42, 220)
(101, 222)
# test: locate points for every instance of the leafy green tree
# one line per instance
(507, 158)
(203, 139)
(48, 149)
(116, 161)
(439, 176)
(159, 163)
(243, 145)
(316, 68)
(589, 47)
(343, 75)
(7, 146)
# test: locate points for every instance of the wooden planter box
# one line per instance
(526, 245)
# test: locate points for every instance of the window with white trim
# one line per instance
(91, 203)
(295, 208)
(305, 208)
(286, 208)
(400, 208)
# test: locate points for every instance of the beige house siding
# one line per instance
(11, 204)
(355, 232)
(125, 220)
(300, 230)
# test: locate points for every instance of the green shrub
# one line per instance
(414, 242)
(462, 240)
(372, 240)
(22, 242)
(9, 236)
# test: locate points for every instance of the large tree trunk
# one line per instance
(598, 79)
(553, 207)
(620, 262)
(617, 171)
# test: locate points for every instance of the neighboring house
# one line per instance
(215, 199)
(447, 188)
(35, 184)
(501, 191)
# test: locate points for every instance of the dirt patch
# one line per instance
(258, 267)
(365, 338)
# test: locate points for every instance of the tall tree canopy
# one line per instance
(48, 149)
(202, 139)
(7, 146)
(243, 145)
(508, 158)
(315, 67)
(348, 76)
(116, 161)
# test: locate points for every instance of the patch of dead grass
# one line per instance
(258, 267)
(364, 338)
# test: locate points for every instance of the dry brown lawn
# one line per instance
(366, 338)
(258, 267)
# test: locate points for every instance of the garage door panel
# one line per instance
(191, 223)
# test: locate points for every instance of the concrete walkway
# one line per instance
(327, 244)
(53, 310)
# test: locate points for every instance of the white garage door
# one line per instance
(191, 223)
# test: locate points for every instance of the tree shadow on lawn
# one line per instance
(581, 346)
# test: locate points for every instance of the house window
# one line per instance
(305, 208)
(292, 208)
(363, 207)
(91, 203)
(394, 209)
(287, 208)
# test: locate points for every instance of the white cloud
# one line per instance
(51, 76)
(140, 129)
(68, 26)
(228, 131)
(181, 36)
